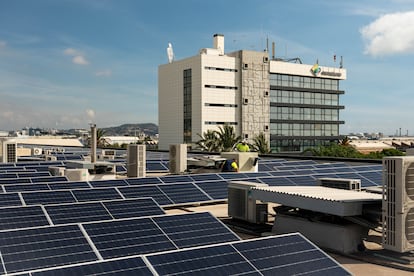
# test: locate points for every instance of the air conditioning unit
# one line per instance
(57, 171)
(61, 150)
(9, 150)
(37, 151)
(177, 158)
(77, 174)
(398, 203)
(242, 206)
(50, 158)
(136, 160)
(340, 183)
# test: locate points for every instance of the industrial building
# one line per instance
(295, 105)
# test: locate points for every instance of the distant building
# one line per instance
(295, 105)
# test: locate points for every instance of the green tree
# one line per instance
(345, 142)
(101, 142)
(216, 141)
(260, 144)
(227, 137)
(208, 141)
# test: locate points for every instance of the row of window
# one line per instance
(187, 95)
(280, 129)
(221, 87)
(303, 113)
(220, 123)
(220, 105)
(220, 69)
(296, 145)
(304, 82)
(296, 97)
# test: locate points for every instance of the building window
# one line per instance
(187, 83)
(221, 87)
(220, 105)
(220, 123)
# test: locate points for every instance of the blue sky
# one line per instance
(66, 63)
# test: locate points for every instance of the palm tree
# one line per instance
(227, 137)
(260, 144)
(101, 142)
(209, 141)
(345, 142)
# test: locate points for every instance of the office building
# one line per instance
(295, 105)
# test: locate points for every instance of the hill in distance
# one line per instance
(149, 129)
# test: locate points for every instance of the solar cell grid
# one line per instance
(231, 175)
(25, 187)
(276, 181)
(156, 166)
(22, 217)
(142, 181)
(194, 229)
(218, 260)
(49, 197)
(306, 180)
(15, 180)
(288, 255)
(49, 179)
(205, 177)
(146, 191)
(183, 193)
(374, 178)
(33, 174)
(10, 199)
(129, 208)
(130, 266)
(77, 213)
(108, 183)
(30, 249)
(96, 194)
(127, 237)
(8, 175)
(69, 185)
(176, 179)
(215, 189)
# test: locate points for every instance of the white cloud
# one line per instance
(78, 57)
(390, 34)
(71, 52)
(80, 60)
(91, 114)
(104, 73)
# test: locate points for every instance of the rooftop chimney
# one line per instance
(93, 143)
(218, 43)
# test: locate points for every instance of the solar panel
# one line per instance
(14, 180)
(10, 199)
(77, 213)
(276, 255)
(176, 179)
(281, 173)
(25, 187)
(194, 229)
(374, 178)
(130, 266)
(183, 193)
(156, 166)
(143, 181)
(215, 189)
(276, 181)
(129, 208)
(146, 191)
(52, 246)
(217, 260)
(127, 237)
(288, 255)
(229, 176)
(8, 175)
(205, 177)
(69, 185)
(305, 180)
(96, 194)
(51, 197)
(108, 183)
(22, 217)
(49, 179)
(33, 174)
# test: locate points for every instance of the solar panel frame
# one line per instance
(217, 190)
(77, 212)
(26, 187)
(22, 217)
(96, 194)
(47, 197)
(42, 247)
(10, 199)
(184, 193)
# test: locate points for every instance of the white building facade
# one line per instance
(249, 91)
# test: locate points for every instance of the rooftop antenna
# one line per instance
(170, 53)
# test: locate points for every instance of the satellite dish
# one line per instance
(170, 53)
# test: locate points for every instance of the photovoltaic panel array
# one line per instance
(290, 254)
(52, 246)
